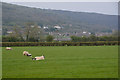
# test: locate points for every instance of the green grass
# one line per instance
(62, 62)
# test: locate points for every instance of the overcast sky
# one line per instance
(97, 7)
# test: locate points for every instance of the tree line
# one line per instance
(93, 38)
(50, 38)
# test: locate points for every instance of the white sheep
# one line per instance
(39, 58)
(26, 53)
(8, 48)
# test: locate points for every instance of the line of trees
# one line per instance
(93, 38)
(50, 38)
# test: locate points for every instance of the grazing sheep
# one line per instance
(39, 58)
(26, 53)
(8, 48)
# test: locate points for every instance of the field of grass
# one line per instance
(61, 62)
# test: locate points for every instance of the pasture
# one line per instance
(61, 62)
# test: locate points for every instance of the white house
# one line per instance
(57, 27)
(45, 27)
(84, 32)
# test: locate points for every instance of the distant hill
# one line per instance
(70, 21)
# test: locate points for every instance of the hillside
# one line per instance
(70, 21)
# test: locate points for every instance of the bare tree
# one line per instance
(33, 31)
(28, 30)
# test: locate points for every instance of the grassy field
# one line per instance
(62, 62)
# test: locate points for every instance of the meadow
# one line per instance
(61, 62)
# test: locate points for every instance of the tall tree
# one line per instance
(49, 38)
(32, 31)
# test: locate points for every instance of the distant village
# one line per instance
(65, 36)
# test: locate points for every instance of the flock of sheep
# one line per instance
(26, 53)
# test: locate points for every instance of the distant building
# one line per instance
(57, 27)
(39, 26)
(62, 39)
(45, 27)
(9, 32)
(32, 26)
(84, 32)
(89, 33)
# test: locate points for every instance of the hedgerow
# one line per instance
(98, 43)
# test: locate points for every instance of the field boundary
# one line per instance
(60, 79)
(98, 43)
